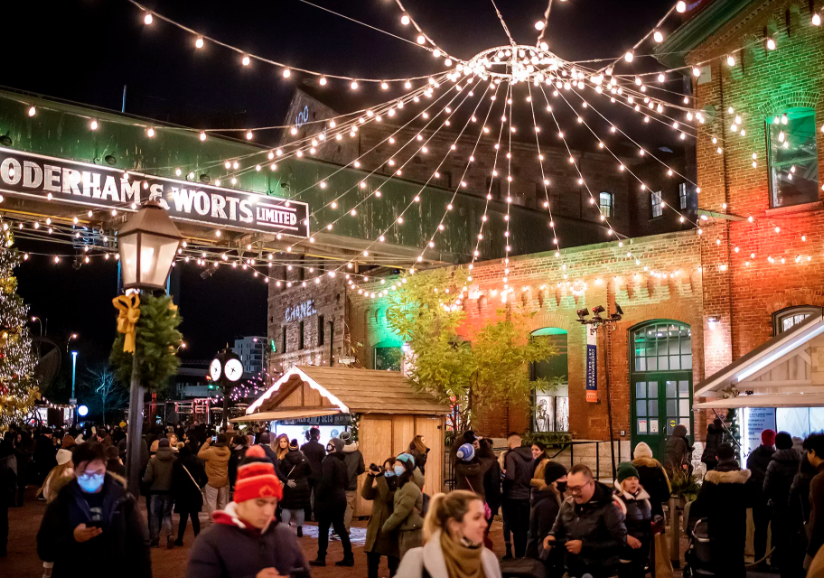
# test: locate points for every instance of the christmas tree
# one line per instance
(18, 385)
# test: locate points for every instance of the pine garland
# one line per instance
(18, 384)
(157, 341)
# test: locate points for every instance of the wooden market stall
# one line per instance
(391, 413)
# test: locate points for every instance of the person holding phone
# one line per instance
(94, 523)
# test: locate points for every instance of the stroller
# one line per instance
(697, 556)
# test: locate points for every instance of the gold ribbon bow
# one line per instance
(129, 307)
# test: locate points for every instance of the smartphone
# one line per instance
(94, 524)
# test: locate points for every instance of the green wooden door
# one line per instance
(660, 383)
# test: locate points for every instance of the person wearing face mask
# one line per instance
(94, 523)
(638, 520)
(330, 504)
(379, 487)
(408, 505)
(545, 507)
(453, 535)
(246, 540)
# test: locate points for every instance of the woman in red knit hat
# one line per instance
(245, 539)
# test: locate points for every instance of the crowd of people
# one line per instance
(260, 490)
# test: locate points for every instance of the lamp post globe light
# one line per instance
(147, 243)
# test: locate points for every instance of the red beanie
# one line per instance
(257, 479)
(768, 437)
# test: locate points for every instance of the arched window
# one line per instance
(787, 318)
(552, 403)
(388, 355)
(793, 157)
(660, 382)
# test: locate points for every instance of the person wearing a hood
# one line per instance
(330, 504)
(492, 483)
(518, 466)
(637, 519)
(379, 488)
(354, 468)
(652, 477)
(757, 464)
(715, 437)
(454, 536)
(189, 478)
(723, 502)
(246, 540)
(296, 469)
(406, 516)
(8, 488)
(469, 472)
(546, 503)
(158, 478)
(540, 461)
(590, 527)
(216, 460)
(678, 457)
(782, 469)
(314, 452)
(419, 451)
(94, 523)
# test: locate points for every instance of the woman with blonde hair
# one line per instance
(453, 533)
(281, 446)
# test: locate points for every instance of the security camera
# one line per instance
(618, 309)
(583, 313)
(597, 310)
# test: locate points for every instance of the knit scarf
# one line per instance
(461, 561)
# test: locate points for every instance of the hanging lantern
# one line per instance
(148, 244)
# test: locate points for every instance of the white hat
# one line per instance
(63, 457)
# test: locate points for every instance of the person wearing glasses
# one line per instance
(94, 523)
(590, 527)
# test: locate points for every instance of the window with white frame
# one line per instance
(657, 208)
(788, 318)
(607, 204)
(682, 196)
(793, 157)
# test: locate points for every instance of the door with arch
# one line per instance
(660, 382)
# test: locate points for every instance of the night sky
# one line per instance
(87, 50)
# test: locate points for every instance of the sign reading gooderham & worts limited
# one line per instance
(59, 180)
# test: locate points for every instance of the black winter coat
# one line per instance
(492, 482)
(599, 524)
(470, 476)
(186, 492)
(638, 520)
(799, 508)
(229, 551)
(420, 458)
(354, 465)
(779, 478)
(295, 466)
(315, 453)
(816, 524)
(234, 461)
(757, 463)
(8, 480)
(124, 543)
(679, 451)
(334, 479)
(654, 480)
(723, 502)
(545, 507)
(517, 481)
(715, 437)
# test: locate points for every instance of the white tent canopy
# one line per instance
(786, 371)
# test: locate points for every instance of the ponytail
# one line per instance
(445, 507)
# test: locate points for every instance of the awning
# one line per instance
(786, 371)
(283, 414)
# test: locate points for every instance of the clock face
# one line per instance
(215, 370)
(234, 370)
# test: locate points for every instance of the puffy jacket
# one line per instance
(779, 477)
(654, 480)
(470, 476)
(518, 466)
(217, 464)
(331, 490)
(124, 543)
(679, 451)
(315, 453)
(545, 507)
(757, 463)
(408, 505)
(295, 466)
(382, 494)
(492, 479)
(160, 471)
(638, 521)
(715, 437)
(599, 524)
(227, 549)
(354, 465)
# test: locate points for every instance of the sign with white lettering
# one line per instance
(305, 309)
(303, 117)
(42, 177)
(592, 367)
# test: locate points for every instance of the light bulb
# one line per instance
(539, 25)
(629, 56)
(405, 20)
(322, 81)
(246, 61)
(148, 19)
(657, 36)
(421, 39)
(150, 132)
(249, 135)
(731, 60)
(354, 85)
(770, 44)
(681, 7)
(32, 111)
(199, 43)
(816, 19)
(202, 136)
(287, 73)
(93, 125)
(696, 72)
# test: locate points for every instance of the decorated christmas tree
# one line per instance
(18, 385)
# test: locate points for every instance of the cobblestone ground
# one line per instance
(22, 561)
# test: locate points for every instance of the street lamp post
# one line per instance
(35, 318)
(608, 323)
(147, 244)
(74, 373)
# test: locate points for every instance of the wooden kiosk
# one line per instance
(391, 413)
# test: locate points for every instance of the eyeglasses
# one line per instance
(89, 475)
(577, 490)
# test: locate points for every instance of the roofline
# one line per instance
(295, 370)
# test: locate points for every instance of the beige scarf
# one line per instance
(461, 561)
